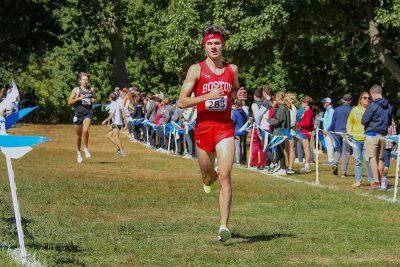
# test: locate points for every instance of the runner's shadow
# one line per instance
(238, 238)
(102, 162)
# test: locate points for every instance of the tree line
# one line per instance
(316, 47)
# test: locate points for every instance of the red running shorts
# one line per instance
(208, 135)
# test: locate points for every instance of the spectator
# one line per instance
(339, 124)
(376, 121)
(177, 116)
(387, 155)
(290, 100)
(356, 129)
(280, 121)
(305, 127)
(257, 147)
(137, 113)
(240, 117)
(326, 124)
(151, 109)
(164, 111)
(264, 124)
(189, 118)
(267, 94)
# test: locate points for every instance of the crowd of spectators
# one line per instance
(357, 129)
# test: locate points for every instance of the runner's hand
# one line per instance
(104, 123)
(216, 92)
(242, 94)
(80, 98)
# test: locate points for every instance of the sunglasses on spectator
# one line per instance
(366, 97)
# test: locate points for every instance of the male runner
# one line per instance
(83, 98)
(213, 83)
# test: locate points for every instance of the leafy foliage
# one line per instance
(310, 47)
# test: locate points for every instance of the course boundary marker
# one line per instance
(15, 255)
(284, 178)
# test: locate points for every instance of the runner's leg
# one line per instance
(85, 131)
(206, 163)
(78, 129)
(225, 156)
(118, 143)
(111, 138)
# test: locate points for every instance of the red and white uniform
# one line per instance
(214, 121)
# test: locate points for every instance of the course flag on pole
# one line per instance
(15, 147)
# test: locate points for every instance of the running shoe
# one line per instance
(79, 157)
(296, 160)
(224, 234)
(122, 154)
(87, 153)
(356, 185)
(210, 188)
(344, 175)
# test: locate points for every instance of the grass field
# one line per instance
(149, 209)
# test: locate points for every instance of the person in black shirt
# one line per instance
(83, 98)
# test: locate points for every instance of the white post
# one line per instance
(317, 157)
(396, 181)
(169, 143)
(176, 135)
(147, 135)
(251, 145)
(16, 208)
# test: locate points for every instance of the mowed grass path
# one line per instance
(149, 209)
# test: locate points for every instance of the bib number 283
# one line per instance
(217, 104)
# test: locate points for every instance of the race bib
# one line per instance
(219, 104)
(86, 101)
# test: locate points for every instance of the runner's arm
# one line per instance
(108, 118)
(185, 101)
(73, 98)
(94, 98)
(238, 91)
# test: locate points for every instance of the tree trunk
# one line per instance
(382, 52)
(117, 53)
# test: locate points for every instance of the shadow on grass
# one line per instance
(249, 239)
(65, 251)
(102, 162)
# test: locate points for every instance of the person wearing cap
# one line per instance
(339, 125)
(326, 124)
(376, 120)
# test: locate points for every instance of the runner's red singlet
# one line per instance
(214, 121)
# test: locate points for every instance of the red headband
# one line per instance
(212, 36)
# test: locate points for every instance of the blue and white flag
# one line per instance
(15, 146)
(321, 138)
(275, 141)
(12, 119)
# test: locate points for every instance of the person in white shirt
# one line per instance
(116, 118)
